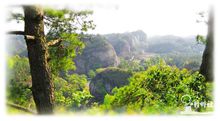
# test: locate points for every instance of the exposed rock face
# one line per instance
(126, 44)
(98, 53)
(106, 80)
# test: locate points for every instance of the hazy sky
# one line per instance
(152, 17)
(155, 18)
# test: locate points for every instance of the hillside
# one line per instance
(103, 51)
(98, 53)
(174, 44)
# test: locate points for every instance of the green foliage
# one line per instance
(69, 26)
(55, 13)
(62, 55)
(159, 89)
(19, 81)
(72, 93)
(91, 74)
(190, 62)
(152, 61)
(201, 39)
(136, 65)
(67, 21)
(130, 65)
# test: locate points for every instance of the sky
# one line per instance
(154, 18)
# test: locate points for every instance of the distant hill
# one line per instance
(15, 45)
(174, 44)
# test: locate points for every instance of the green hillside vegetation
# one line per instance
(72, 93)
(159, 89)
(156, 90)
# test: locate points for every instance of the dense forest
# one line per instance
(67, 70)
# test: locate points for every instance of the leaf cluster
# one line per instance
(19, 81)
(67, 21)
(72, 93)
(201, 39)
(159, 89)
(69, 26)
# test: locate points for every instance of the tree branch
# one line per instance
(78, 21)
(20, 108)
(53, 42)
(29, 37)
(16, 32)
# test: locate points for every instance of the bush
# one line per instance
(130, 65)
(159, 89)
(91, 74)
(19, 82)
(72, 93)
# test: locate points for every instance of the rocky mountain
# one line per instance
(106, 80)
(129, 43)
(98, 53)
(102, 51)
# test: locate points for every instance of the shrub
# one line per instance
(159, 89)
(72, 93)
(19, 82)
(91, 74)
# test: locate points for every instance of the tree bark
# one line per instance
(206, 67)
(42, 86)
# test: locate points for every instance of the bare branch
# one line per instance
(29, 37)
(16, 32)
(53, 42)
(78, 21)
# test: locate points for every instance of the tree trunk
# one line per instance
(42, 86)
(206, 67)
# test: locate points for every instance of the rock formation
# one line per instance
(106, 80)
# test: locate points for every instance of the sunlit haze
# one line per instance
(154, 18)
